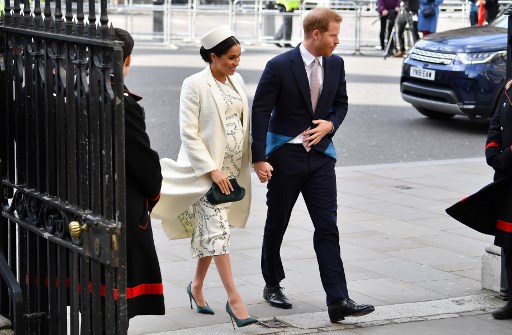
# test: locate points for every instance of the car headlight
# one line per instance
(480, 57)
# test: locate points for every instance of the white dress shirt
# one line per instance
(308, 59)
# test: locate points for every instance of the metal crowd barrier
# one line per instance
(255, 22)
(349, 10)
(246, 19)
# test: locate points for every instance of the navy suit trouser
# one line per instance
(312, 174)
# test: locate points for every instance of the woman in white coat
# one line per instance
(214, 119)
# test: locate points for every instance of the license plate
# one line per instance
(423, 73)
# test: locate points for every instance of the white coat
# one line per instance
(203, 136)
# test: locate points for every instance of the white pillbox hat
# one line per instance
(215, 36)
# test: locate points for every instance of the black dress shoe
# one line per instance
(278, 45)
(347, 307)
(275, 297)
(288, 45)
(503, 295)
(503, 313)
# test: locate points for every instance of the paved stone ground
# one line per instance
(401, 252)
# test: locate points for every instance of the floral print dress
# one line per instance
(211, 234)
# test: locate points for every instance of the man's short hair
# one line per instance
(125, 37)
(319, 19)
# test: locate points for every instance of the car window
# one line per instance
(500, 22)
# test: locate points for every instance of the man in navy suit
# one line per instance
(300, 102)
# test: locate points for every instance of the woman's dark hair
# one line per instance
(219, 50)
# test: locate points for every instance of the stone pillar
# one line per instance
(491, 268)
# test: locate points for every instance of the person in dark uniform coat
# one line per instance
(300, 102)
(499, 156)
(144, 291)
(488, 210)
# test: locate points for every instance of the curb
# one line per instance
(310, 323)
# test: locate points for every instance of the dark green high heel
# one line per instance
(239, 322)
(200, 309)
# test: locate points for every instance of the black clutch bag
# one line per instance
(215, 196)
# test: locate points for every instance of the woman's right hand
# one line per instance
(222, 181)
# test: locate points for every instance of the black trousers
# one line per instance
(386, 26)
(311, 174)
(503, 280)
(506, 257)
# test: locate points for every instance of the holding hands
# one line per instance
(263, 170)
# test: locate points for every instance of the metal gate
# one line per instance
(62, 232)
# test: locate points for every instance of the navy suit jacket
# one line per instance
(282, 104)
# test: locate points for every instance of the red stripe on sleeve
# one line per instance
(492, 144)
(504, 225)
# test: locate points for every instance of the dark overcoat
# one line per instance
(492, 8)
(143, 182)
(490, 210)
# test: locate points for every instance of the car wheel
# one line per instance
(433, 114)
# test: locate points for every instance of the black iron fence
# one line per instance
(62, 234)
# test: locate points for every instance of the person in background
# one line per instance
(144, 292)
(473, 13)
(481, 12)
(492, 8)
(299, 104)
(214, 121)
(409, 8)
(387, 12)
(285, 31)
(428, 25)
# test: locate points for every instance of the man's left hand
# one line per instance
(315, 135)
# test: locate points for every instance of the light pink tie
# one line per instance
(314, 84)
